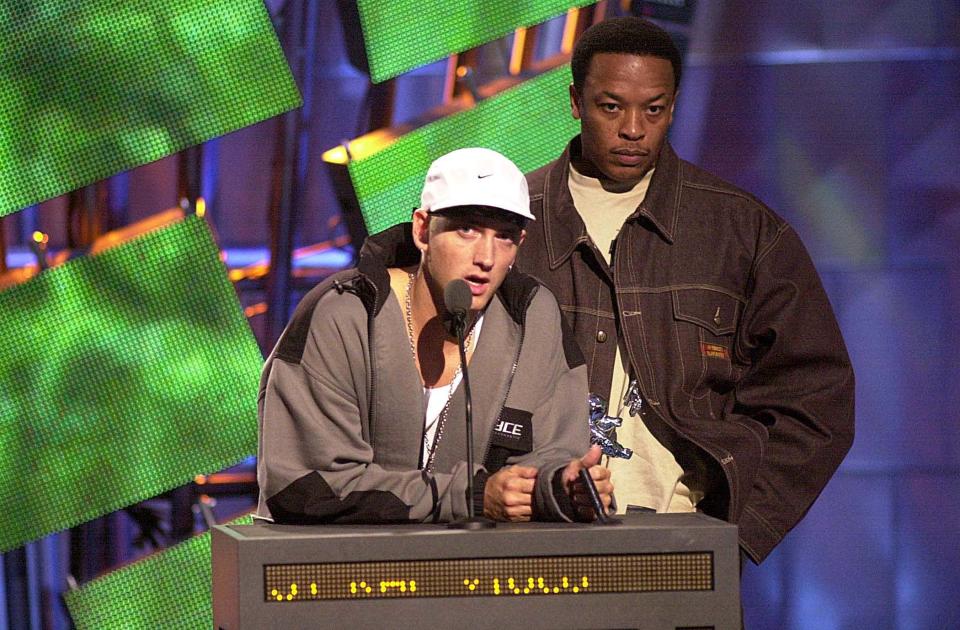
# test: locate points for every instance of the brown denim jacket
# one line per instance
(727, 328)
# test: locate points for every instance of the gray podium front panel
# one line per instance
(650, 571)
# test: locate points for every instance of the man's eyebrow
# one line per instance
(617, 97)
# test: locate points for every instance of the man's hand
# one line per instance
(508, 495)
(575, 488)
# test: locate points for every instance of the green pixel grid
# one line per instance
(169, 589)
(404, 34)
(124, 375)
(529, 123)
(92, 88)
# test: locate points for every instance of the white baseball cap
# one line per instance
(475, 177)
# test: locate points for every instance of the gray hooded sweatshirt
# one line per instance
(341, 407)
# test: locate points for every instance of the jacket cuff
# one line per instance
(562, 499)
(550, 502)
(757, 538)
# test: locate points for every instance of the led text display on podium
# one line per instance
(646, 571)
(529, 123)
(125, 374)
(403, 34)
(491, 577)
(92, 88)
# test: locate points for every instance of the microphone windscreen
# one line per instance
(457, 297)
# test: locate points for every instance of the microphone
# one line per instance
(457, 299)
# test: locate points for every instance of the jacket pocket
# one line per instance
(705, 323)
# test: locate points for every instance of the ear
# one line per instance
(421, 229)
(523, 236)
(574, 102)
(673, 104)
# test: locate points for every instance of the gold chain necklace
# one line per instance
(442, 420)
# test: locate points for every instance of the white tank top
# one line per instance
(435, 399)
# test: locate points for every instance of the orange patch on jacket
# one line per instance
(714, 351)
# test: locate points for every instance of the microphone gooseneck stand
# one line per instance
(457, 298)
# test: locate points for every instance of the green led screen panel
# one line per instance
(169, 589)
(402, 34)
(529, 123)
(92, 88)
(124, 374)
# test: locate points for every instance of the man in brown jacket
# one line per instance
(699, 313)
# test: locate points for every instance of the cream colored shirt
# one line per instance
(651, 478)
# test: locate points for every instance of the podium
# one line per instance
(649, 571)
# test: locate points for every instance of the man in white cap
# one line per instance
(361, 410)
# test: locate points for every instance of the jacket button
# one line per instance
(601, 336)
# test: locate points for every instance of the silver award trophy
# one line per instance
(632, 400)
(603, 428)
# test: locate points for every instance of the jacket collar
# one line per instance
(394, 247)
(563, 226)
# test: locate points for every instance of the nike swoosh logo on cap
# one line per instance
(483, 176)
